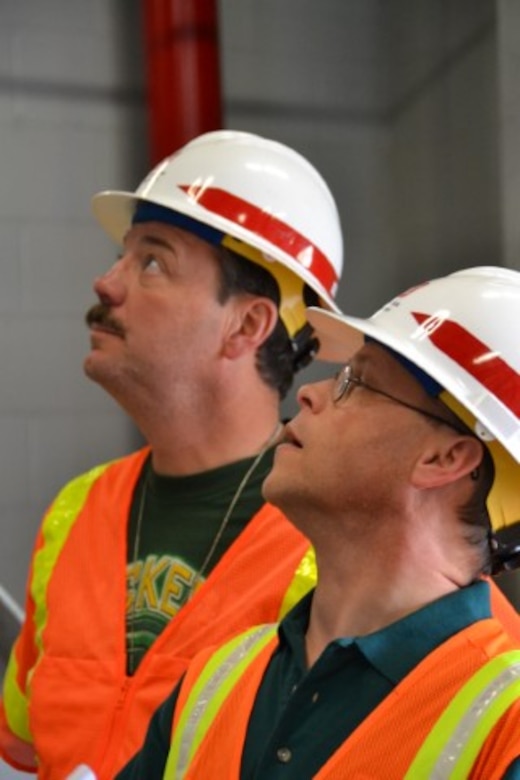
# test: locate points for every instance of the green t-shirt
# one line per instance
(180, 518)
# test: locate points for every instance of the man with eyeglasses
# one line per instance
(404, 471)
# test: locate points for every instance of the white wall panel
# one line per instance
(509, 127)
(71, 123)
(11, 268)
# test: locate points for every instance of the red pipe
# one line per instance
(182, 72)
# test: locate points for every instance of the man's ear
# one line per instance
(251, 323)
(448, 459)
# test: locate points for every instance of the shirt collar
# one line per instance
(396, 649)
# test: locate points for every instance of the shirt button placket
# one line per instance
(284, 755)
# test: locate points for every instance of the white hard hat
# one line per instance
(254, 195)
(462, 331)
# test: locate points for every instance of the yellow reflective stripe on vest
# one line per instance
(55, 529)
(457, 738)
(17, 709)
(304, 579)
(209, 692)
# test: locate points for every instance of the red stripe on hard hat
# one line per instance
(267, 226)
(479, 360)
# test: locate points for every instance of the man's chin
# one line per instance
(96, 367)
(271, 489)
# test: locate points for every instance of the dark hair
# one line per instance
(275, 357)
(474, 513)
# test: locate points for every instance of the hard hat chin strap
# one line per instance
(505, 549)
(305, 346)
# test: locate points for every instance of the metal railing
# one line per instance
(11, 618)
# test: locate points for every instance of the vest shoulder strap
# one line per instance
(199, 703)
(453, 745)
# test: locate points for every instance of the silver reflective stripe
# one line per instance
(462, 736)
(210, 689)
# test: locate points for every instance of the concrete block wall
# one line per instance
(444, 161)
(508, 56)
(71, 122)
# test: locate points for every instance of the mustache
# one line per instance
(99, 314)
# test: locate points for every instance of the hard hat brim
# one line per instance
(114, 210)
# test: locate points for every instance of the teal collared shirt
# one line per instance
(302, 715)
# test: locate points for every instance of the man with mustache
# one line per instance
(403, 470)
(199, 330)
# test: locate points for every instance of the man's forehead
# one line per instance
(160, 233)
(370, 354)
(376, 360)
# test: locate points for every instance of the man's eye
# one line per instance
(151, 263)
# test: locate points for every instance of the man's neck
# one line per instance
(365, 595)
(192, 432)
(191, 449)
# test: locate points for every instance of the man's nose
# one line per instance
(110, 287)
(314, 395)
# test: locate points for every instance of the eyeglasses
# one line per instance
(346, 380)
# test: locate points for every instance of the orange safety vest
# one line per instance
(436, 722)
(67, 697)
